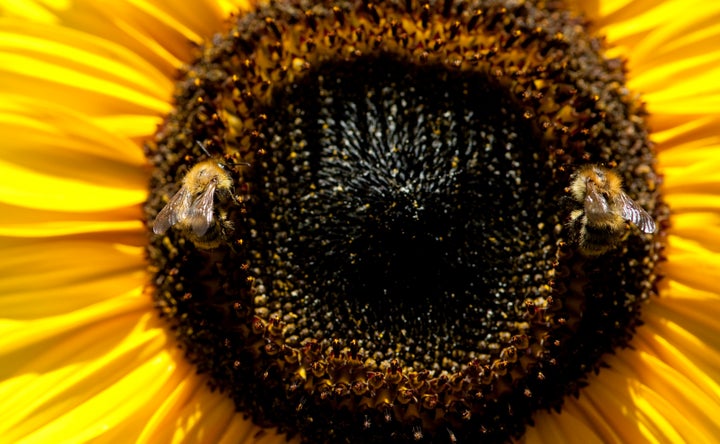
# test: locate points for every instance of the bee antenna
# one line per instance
(202, 147)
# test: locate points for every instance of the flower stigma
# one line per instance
(398, 262)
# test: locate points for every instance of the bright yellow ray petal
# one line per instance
(673, 386)
(25, 222)
(636, 411)
(41, 191)
(28, 10)
(622, 407)
(96, 389)
(675, 290)
(662, 123)
(692, 264)
(693, 201)
(161, 426)
(233, 6)
(207, 418)
(134, 127)
(49, 355)
(62, 82)
(193, 19)
(574, 426)
(691, 325)
(20, 335)
(194, 414)
(683, 99)
(154, 29)
(242, 431)
(680, 37)
(628, 24)
(699, 227)
(70, 181)
(624, 21)
(54, 159)
(34, 127)
(653, 415)
(674, 55)
(151, 38)
(608, 400)
(55, 272)
(588, 421)
(702, 176)
(74, 50)
(686, 133)
(50, 301)
(693, 70)
(608, 7)
(687, 154)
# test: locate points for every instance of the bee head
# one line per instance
(221, 163)
(604, 182)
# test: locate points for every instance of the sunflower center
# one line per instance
(371, 221)
(406, 202)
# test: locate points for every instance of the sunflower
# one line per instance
(85, 88)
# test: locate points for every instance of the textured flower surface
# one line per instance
(85, 356)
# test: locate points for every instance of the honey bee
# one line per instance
(192, 208)
(600, 224)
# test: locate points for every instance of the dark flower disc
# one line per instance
(395, 264)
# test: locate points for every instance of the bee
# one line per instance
(600, 224)
(192, 208)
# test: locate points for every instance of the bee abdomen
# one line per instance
(597, 239)
(594, 239)
(217, 234)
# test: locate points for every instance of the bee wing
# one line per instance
(172, 213)
(200, 214)
(636, 214)
(595, 202)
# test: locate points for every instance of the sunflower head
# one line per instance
(400, 258)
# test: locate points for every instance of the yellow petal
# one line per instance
(51, 277)
(692, 264)
(701, 227)
(97, 58)
(688, 154)
(684, 333)
(94, 381)
(684, 136)
(576, 425)
(43, 128)
(702, 176)
(39, 190)
(28, 10)
(136, 127)
(674, 386)
(55, 159)
(25, 222)
(144, 28)
(679, 38)
(675, 290)
(194, 414)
